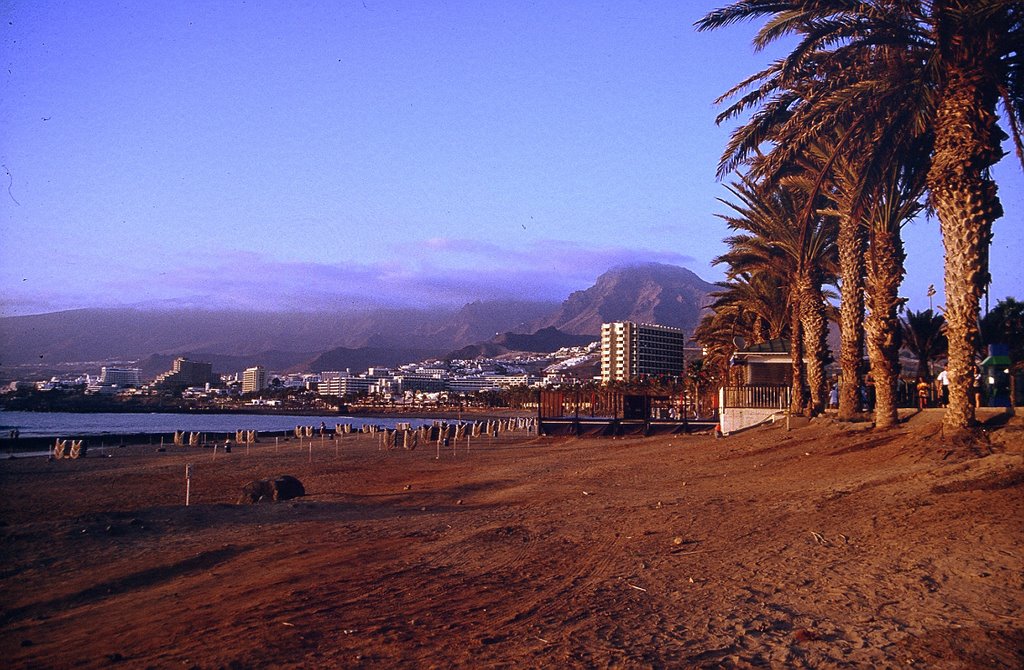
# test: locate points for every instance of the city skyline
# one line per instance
(350, 154)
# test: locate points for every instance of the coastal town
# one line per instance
(750, 386)
(627, 354)
(193, 384)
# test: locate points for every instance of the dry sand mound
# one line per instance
(272, 489)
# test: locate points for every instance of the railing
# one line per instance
(603, 403)
(755, 397)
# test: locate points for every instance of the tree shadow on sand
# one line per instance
(137, 580)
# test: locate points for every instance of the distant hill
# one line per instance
(359, 360)
(544, 341)
(667, 295)
(133, 334)
(481, 320)
(233, 340)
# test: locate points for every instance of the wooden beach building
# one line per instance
(767, 373)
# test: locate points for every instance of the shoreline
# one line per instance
(417, 413)
(13, 447)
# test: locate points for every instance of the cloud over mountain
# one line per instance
(439, 273)
(650, 292)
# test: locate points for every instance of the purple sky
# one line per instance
(330, 154)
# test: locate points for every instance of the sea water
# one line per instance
(68, 424)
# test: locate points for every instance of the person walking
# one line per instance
(922, 393)
(943, 378)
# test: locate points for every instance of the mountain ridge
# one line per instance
(543, 341)
(646, 293)
(667, 295)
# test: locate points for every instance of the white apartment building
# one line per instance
(337, 383)
(486, 382)
(420, 382)
(254, 379)
(630, 350)
(112, 376)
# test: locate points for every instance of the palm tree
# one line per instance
(717, 334)
(1005, 324)
(895, 201)
(898, 69)
(979, 48)
(923, 337)
(761, 300)
(873, 192)
(851, 244)
(801, 249)
(752, 306)
(837, 177)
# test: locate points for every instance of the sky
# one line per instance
(335, 154)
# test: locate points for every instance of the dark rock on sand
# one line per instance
(282, 487)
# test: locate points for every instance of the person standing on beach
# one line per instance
(922, 393)
(943, 378)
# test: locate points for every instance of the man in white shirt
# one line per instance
(944, 378)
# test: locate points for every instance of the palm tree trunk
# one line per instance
(966, 144)
(885, 273)
(812, 307)
(798, 398)
(851, 244)
(759, 331)
(923, 369)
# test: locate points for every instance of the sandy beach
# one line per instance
(824, 546)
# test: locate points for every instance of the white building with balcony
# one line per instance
(631, 350)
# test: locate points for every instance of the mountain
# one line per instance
(439, 329)
(133, 334)
(361, 359)
(481, 320)
(666, 295)
(233, 340)
(543, 341)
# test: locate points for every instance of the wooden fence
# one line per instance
(756, 397)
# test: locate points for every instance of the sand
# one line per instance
(825, 546)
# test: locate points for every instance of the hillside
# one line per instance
(667, 295)
(544, 341)
(651, 293)
(364, 358)
(134, 334)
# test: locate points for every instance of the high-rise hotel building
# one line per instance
(254, 379)
(120, 376)
(185, 373)
(630, 350)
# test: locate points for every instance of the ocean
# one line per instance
(70, 424)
